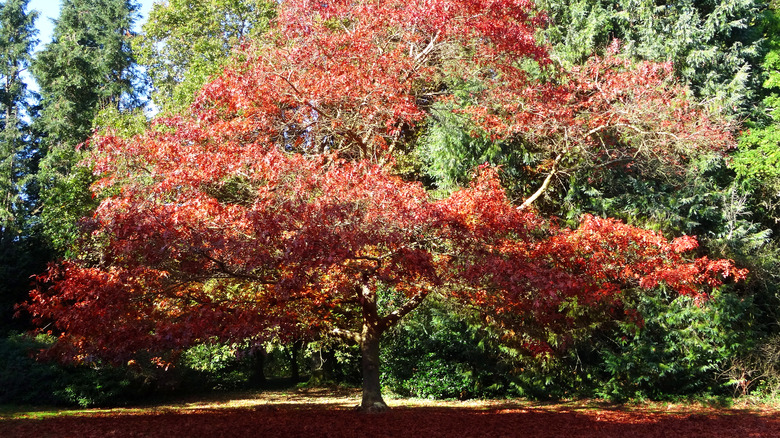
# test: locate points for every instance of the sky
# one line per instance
(50, 9)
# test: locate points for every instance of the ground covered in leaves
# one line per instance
(327, 413)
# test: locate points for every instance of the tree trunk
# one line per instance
(258, 366)
(295, 350)
(372, 390)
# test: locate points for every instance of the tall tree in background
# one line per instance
(87, 67)
(715, 45)
(17, 153)
(716, 49)
(758, 161)
(186, 41)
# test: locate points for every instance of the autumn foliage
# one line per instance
(273, 210)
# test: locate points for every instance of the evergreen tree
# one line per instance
(87, 67)
(17, 154)
(17, 37)
(715, 45)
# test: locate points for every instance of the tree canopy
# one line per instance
(184, 42)
(19, 256)
(272, 208)
(714, 45)
(17, 37)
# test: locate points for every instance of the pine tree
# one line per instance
(714, 44)
(17, 152)
(87, 67)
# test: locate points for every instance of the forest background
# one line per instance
(99, 72)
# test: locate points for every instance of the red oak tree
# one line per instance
(272, 210)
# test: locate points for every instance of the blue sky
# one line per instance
(50, 9)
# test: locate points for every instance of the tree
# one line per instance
(17, 37)
(756, 162)
(272, 209)
(87, 66)
(17, 151)
(184, 42)
(715, 45)
(609, 113)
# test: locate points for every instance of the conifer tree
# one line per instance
(87, 67)
(714, 44)
(17, 151)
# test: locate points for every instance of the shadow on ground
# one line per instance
(296, 414)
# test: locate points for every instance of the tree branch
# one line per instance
(346, 335)
(392, 318)
(544, 186)
(222, 267)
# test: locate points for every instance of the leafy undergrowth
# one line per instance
(329, 413)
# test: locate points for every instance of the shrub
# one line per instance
(681, 348)
(439, 352)
(28, 381)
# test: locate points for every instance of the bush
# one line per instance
(439, 353)
(27, 381)
(22, 378)
(682, 347)
(757, 373)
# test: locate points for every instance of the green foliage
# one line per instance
(714, 44)
(439, 352)
(757, 162)
(756, 165)
(689, 202)
(677, 346)
(332, 363)
(21, 254)
(22, 378)
(579, 28)
(210, 358)
(121, 123)
(66, 197)
(758, 159)
(757, 373)
(17, 38)
(87, 67)
(703, 200)
(205, 367)
(184, 42)
(681, 348)
(25, 380)
(438, 378)
(452, 146)
(215, 366)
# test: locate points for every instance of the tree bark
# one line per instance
(372, 389)
(295, 350)
(258, 366)
(369, 350)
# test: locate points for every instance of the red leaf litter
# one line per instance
(296, 415)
